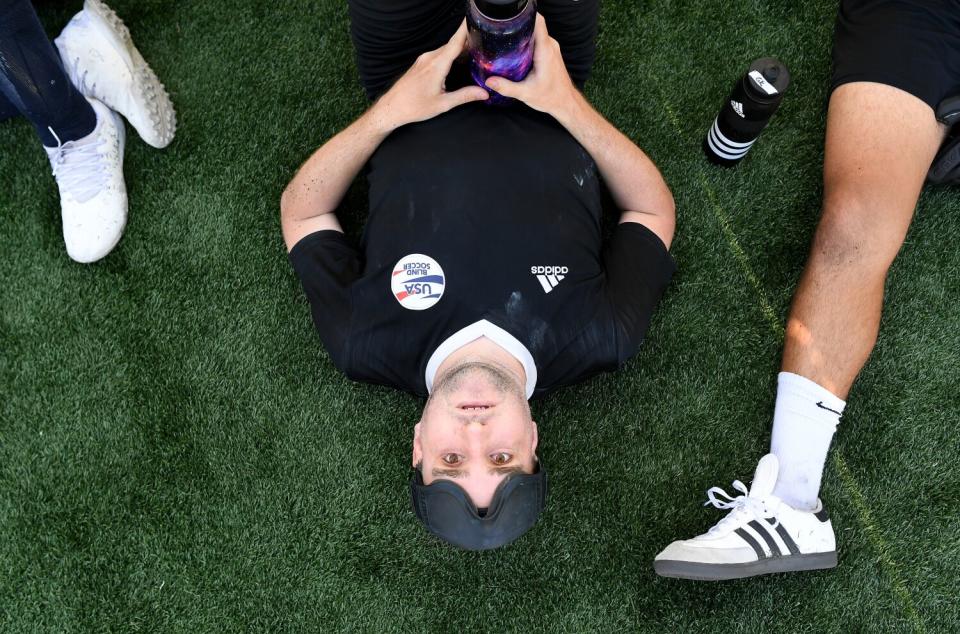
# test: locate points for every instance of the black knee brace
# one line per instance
(946, 165)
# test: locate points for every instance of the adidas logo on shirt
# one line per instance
(549, 276)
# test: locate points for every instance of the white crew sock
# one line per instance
(804, 421)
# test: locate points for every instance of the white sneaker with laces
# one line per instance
(93, 196)
(101, 60)
(760, 535)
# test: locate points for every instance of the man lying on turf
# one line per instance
(893, 63)
(481, 279)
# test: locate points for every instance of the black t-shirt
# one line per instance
(484, 213)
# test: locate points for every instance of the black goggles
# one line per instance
(449, 513)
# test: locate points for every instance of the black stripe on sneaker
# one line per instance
(767, 537)
(785, 536)
(822, 515)
(747, 537)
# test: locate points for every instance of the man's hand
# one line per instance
(309, 201)
(421, 94)
(548, 88)
(633, 180)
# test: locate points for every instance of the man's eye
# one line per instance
(451, 459)
(501, 458)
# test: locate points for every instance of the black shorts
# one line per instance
(910, 45)
(389, 35)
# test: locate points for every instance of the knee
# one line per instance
(858, 235)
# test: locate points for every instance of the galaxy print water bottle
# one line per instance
(746, 111)
(501, 40)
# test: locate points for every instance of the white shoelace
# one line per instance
(78, 167)
(84, 87)
(738, 506)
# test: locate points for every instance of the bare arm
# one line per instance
(308, 202)
(634, 181)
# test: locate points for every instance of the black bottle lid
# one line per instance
(768, 79)
(501, 9)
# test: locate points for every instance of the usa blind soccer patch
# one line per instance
(417, 282)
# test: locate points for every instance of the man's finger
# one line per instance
(505, 87)
(540, 33)
(543, 43)
(465, 95)
(455, 46)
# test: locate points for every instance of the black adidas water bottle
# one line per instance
(746, 112)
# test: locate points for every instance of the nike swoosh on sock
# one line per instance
(822, 406)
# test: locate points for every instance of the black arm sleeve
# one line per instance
(638, 268)
(327, 266)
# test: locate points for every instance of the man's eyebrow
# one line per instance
(506, 470)
(459, 473)
(448, 473)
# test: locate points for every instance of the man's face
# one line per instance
(476, 430)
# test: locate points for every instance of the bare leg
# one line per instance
(880, 143)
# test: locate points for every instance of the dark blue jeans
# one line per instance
(32, 80)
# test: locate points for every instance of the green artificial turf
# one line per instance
(178, 454)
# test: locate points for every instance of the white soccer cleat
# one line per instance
(102, 62)
(93, 196)
(761, 534)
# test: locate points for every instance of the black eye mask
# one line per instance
(448, 512)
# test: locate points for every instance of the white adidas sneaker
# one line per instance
(760, 535)
(93, 195)
(101, 60)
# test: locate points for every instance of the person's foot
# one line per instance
(93, 195)
(101, 60)
(761, 534)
